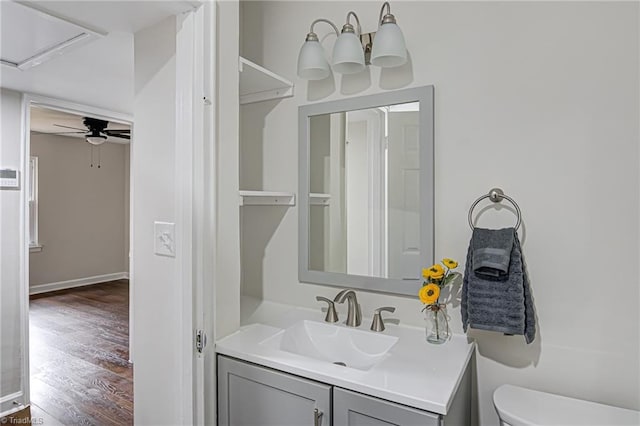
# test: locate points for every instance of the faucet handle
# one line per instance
(378, 323)
(332, 316)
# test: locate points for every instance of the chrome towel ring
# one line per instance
(496, 195)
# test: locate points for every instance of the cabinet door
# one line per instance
(354, 409)
(251, 395)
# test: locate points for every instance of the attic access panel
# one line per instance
(31, 37)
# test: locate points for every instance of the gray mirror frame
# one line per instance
(425, 96)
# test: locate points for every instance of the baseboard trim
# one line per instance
(8, 406)
(79, 282)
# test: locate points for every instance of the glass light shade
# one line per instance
(348, 55)
(312, 65)
(389, 49)
(96, 140)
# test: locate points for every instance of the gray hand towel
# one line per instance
(492, 252)
(504, 306)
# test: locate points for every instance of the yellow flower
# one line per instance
(429, 294)
(436, 272)
(450, 263)
(426, 273)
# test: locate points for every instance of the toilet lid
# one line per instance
(525, 407)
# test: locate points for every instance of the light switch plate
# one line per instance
(165, 238)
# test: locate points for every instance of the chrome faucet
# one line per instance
(354, 314)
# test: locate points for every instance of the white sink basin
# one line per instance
(334, 343)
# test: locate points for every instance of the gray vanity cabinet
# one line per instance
(249, 395)
(354, 409)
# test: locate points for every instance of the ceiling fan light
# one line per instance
(96, 138)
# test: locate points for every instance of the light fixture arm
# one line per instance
(388, 17)
(313, 36)
(348, 24)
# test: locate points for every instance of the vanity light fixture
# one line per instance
(348, 55)
(312, 65)
(389, 48)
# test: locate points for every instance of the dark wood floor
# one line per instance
(79, 352)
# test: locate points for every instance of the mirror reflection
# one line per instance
(364, 192)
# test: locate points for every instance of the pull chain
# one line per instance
(91, 155)
(99, 162)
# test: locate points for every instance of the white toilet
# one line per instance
(518, 406)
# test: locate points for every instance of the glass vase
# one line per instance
(437, 327)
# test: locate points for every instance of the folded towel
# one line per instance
(492, 252)
(504, 305)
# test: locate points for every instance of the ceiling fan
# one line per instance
(96, 132)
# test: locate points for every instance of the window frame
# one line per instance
(32, 197)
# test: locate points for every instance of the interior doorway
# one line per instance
(79, 236)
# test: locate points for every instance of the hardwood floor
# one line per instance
(79, 352)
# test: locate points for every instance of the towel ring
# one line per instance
(496, 195)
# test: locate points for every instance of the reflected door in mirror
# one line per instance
(364, 201)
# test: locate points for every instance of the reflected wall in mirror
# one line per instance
(366, 191)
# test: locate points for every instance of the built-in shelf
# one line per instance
(259, 84)
(267, 198)
(316, 199)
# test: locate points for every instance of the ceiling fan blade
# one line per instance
(117, 131)
(68, 127)
(57, 133)
(118, 135)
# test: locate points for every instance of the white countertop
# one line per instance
(414, 373)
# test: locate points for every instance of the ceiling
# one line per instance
(110, 16)
(36, 36)
(44, 120)
(99, 73)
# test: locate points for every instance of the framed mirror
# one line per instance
(366, 185)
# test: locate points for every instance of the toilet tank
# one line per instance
(518, 406)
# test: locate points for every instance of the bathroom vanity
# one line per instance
(270, 373)
(286, 365)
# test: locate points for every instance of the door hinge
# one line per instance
(201, 340)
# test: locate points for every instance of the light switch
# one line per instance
(165, 241)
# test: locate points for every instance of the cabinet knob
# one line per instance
(317, 417)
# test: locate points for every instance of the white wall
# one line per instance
(540, 99)
(11, 249)
(82, 219)
(156, 293)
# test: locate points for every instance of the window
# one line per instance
(33, 205)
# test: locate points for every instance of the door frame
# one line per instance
(196, 162)
(195, 169)
(376, 141)
(29, 100)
